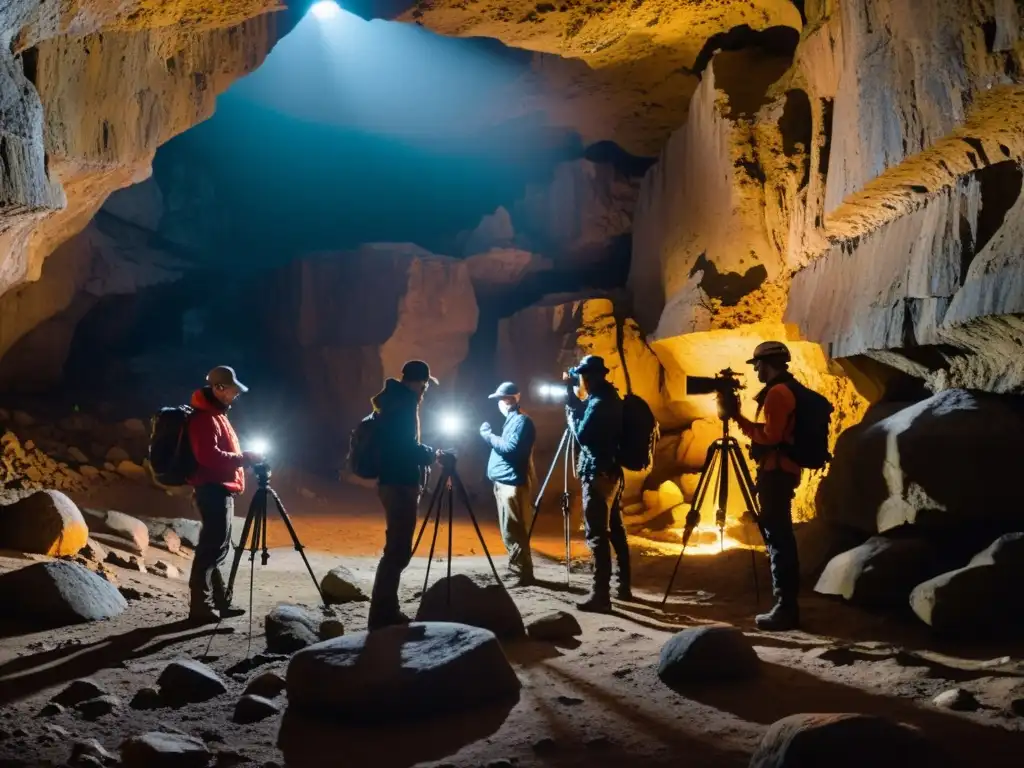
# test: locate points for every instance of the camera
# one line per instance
(724, 382)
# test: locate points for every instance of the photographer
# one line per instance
(777, 475)
(219, 476)
(597, 425)
(403, 463)
(509, 468)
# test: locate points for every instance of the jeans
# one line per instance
(515, 510)
(775, 491)
(216, 507)
(603, 526)
(401, 503)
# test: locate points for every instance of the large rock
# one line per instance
(418, 670)
(553, 627)
(46, 523)
(976, 600)
(186, 530)
(489, 607)
(880, 573)
(290, 628)
(946, 461)
(186, 681)
(341, 586)
(59, 593)
(113, 526)
(843, 741)
(164, 750)
(708, 653)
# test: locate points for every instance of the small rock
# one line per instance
(90, 748)
(130, 593)
(78, 691)
(712, 652)
(187, 681)
(94, 709)
(116, 455)
(164, 750)
(252, 709)
(545, 746)
(51, 709)
(211, 736)
(134, 428)
(268, 685)
(147, 698)
(89, 472)
(87, 761)
(56, 730)
(957, 699)
(132, 471)
(290, 628)
(167, 539)
(554, 626)
(331, 628)
(341, 586)
(569, 701)
(93, 551)
(122, 560)
(78, 455)
(165, 569)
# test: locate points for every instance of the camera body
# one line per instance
(573, 377)
(262, 472)
(725, 382)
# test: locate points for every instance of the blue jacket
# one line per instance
(509, 463)
(597, 424)
(403, 458)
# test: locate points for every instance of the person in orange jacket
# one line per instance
(777, 476)
(219, 477)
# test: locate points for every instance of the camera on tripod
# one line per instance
(725, 382)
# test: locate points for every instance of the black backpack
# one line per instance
(171, 460)
(811, 429)
(640, 434)
(364, 448)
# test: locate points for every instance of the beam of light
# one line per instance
(451, 424)
(258, 445)
(325, 9)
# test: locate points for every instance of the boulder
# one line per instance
(341, 586)
(110, 524)
(417, 670)
(94, 709)
(147, 698)
(164, 750)
(956, 699)
(880, 573)
(186, 530)
(267, 685)
(78, 691)
(489, 607)
(186, 682)
(59, 593)
(45, 523)
(290, 628)
(251, 709)
(554, 626)
(843, 741)
(709, 653)
(93, 551)
(976, 600)
(946, 461)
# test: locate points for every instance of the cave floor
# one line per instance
(599, 703)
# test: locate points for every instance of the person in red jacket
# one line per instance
(218, 478)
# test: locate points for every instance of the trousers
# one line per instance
(604, 531)
(400, 503)
(216, 508)
(775, 491)
(515, 511)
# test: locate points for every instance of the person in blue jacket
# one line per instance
(510, 468)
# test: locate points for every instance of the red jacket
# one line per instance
(215, 445)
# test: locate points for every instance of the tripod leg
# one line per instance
(295, 540)
(451, 506)
(698, 499)
(547, 479)
(747, 489)
(567, 533)
(240, 549)
(433, 500)
(433, 540)
(457, 482)
(723, 495)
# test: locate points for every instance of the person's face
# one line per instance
(765, 371)
(226, 393)
(419, 387)
(506, 405)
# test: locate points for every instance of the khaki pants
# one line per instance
(515, 511)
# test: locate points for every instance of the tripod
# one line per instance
(567, 452)
(256, 523)
(444, 497)
(725, 452)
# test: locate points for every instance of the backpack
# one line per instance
(364, 448)
(811, 429)
(171, 460)
(640, 434)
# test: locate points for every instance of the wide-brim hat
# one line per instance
(589, 364)
(505, 389)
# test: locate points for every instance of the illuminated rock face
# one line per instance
(90, 90)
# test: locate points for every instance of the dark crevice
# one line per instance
(1000, 187)
(5, 160)
(728, 287)
(610, 153)
(967, 247)
(753, 169)
(776, 40)
(825, 153)
(797, 128)
(989, 28)
(978, 146)
(30, 64)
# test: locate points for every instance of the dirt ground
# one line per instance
(597, 702)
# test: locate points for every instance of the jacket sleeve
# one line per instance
(779, 404)
(407, 447)
(202, 435)
(519, 441)
(590, 423)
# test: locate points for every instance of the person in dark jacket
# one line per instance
(403, 464)
(219, 476)
(597, 424)
(510, 469)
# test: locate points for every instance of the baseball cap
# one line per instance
(770, 349)
(590, 364)
(224, 376)
(417, 370)
(505, 389)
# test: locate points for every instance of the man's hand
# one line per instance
(485, 429)
(251, 458)
(566, 377)
(728, 405)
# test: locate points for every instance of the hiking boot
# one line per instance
(521, 580)
(596, 603)
(781, 618)
(230, 611)
(202, 613)
(377, 622)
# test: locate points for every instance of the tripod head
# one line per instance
(262, 472)
(447, 460)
